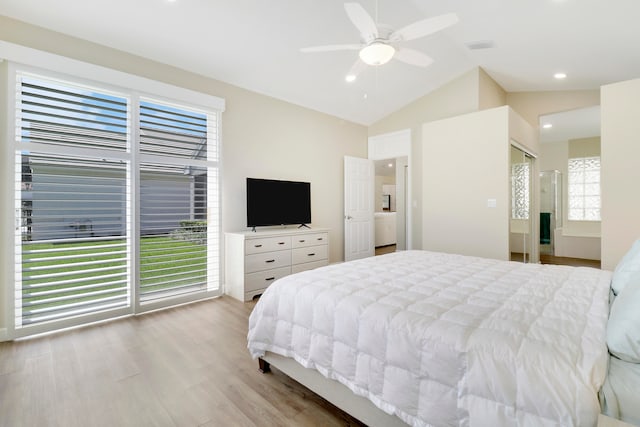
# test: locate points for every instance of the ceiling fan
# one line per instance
(380, 44)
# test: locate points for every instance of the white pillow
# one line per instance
(623, 327)
(628, 267)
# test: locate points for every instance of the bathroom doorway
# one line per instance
(390, 196)
(392, 192)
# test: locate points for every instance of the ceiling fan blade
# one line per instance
(331, 47)
(413, 57)
(424, 27)
(362, 20)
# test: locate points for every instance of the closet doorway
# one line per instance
(392, 190)
(522, 220)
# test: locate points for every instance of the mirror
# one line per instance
(570, 199)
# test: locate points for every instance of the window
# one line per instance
(520, 174)
(117, 210)
(584, 189)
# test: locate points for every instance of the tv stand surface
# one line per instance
(255, 259)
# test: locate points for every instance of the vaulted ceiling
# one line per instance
(255, 44)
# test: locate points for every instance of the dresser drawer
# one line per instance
(297, 268)
(309, 254)
(267, 244)
(262, 279)
(309, 240)
(267, 261)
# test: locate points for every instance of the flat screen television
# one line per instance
(274, 202)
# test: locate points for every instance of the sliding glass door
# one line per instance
(116, 202)
(521, 235)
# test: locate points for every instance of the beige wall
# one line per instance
(532, 105)
(261, 136)
(490, 93)
(456, 188)
(620, 145)
(458, 153)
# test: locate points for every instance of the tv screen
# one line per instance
(273, 202)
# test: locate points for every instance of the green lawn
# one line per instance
(63, 274)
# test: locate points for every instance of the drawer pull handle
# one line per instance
(301, 241)
(311, 254)
(281, 243)
(268, 279)
(257, 246)
(319, 238)
(270, 260)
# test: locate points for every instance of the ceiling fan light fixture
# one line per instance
(377, 53)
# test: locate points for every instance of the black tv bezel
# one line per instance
(279, 223)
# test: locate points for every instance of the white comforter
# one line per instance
(444, 340)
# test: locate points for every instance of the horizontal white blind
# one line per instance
(74, 237)
(79, 176)
(178, 250)
(56, 114)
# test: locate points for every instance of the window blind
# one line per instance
(178, 247)
(83, 183)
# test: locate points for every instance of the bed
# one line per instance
(443, 339)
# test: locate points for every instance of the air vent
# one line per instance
(480, 44)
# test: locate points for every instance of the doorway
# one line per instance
(391, 153)
(390, 196)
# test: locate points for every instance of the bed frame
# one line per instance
(356, 406)
(332, 391)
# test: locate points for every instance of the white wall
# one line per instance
(620, 145)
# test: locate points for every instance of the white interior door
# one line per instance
(359, 178)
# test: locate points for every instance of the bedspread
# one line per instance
(441, 339)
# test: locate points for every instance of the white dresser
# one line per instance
(254, 260)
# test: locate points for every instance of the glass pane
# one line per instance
(576, 214)
(592, 214)
(592, 189)
(576, 190)
(592, 202)
(75, 249)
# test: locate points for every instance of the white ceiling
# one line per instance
(255, 44)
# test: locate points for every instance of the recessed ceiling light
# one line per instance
(390, 165)
(350, 78)
(560, 76)
(547, 125)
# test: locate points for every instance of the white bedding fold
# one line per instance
(441, 339)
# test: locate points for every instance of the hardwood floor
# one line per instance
(184, 366)
(381, 250)
(575, 262)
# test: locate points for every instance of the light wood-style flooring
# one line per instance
(184, 366)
